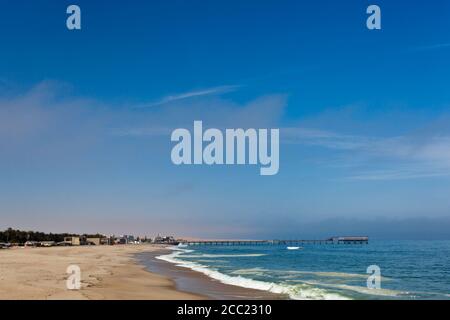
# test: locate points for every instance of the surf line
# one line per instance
(241, 147)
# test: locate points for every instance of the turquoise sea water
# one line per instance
(409, 269)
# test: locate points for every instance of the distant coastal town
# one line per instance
(18, 238)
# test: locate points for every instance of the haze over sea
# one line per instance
(409, 269)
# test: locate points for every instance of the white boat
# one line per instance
(182, 245)
(293, 248)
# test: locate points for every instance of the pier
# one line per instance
(333, 240)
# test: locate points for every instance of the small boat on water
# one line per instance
(182, 245)
(294, 248)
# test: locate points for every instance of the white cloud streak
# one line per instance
(191, 94)
(433, 47)
(425, 156)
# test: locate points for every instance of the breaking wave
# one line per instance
(296, 292)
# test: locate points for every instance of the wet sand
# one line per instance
(198, 283)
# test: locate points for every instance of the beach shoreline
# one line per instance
(195, 282)
(108, 273)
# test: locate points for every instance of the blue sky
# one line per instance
(86, 116)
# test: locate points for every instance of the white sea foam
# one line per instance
(295, 273)
(297, 292)
(177, 248)
(326, 274)
(359, 289)
(206, 255)
(251, 271)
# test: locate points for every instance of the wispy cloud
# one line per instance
(433, 47)
(262, 112)
(407, 174)
(323, 138)
(139, 132)
(406, 156)
(191, 94)
(48, 115)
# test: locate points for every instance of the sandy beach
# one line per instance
(107, 272)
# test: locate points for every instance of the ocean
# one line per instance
(409, 269)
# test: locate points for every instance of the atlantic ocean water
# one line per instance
(409, 269)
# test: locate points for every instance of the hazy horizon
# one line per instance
(376, 229)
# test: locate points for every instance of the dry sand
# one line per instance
(107, 272)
